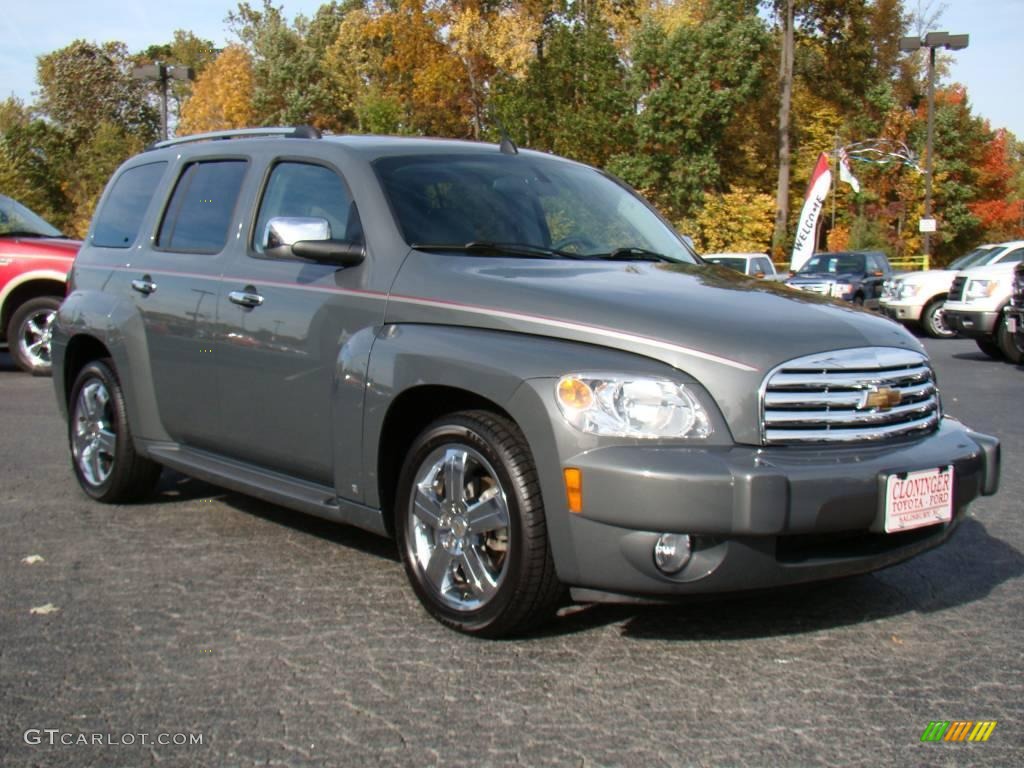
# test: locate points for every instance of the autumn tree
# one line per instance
(222, 95)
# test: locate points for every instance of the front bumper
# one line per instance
(971, 324)
(902, 312)
(759, 517)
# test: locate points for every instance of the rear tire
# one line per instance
(1007, 343)
(28, 334)
(990, 348)
(104, 458)
(471, 527)
(933, 322)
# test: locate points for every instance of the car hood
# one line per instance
(725, 329)
(49, 246)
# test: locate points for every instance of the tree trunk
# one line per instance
(785, 103)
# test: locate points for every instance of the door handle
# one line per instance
(145, 286)
(247, 298)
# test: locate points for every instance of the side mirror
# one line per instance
(288, 230)
(877, 274)
(309, 238)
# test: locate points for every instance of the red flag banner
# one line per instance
(807, 230)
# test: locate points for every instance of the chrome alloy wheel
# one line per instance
(457, 527)
(94, 439)
(34, 337)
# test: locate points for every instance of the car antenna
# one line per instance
(507, 146)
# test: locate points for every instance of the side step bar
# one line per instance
(300, 495)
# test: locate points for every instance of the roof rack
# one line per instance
(288, 132)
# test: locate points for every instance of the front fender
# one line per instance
(514, 371)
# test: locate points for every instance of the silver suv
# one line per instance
(505, 360)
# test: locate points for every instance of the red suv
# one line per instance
(34, 262)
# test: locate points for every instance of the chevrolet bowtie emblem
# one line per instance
(881, 398)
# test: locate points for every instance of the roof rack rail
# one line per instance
(288, 132)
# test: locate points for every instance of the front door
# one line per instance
(284, 322)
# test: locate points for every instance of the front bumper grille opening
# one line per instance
(802, 548)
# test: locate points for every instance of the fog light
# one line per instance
(672, 552)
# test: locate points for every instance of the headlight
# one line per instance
(908, 291)
(841, 289)
(616, 405)
(980, 289)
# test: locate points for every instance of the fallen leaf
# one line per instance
(32, 560)
(43, 610)
(897, 640)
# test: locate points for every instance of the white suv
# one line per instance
(919, 297)
(977, 302)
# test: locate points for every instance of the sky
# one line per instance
(991, 67)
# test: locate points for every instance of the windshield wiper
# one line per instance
(511, 249)
(633, 254)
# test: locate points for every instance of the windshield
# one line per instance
(740, 265)
(974, 257)
(542, 206)
(16, 219)
(834, 264)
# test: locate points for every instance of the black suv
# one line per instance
(854, 276)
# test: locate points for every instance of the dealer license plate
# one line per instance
(917, 499)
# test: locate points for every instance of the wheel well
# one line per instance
(936, 297)
(81, 351)
(33, 289)
(409, 414)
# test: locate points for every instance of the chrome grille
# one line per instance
(1018, 286)
(822, 288)
(956, 290)
(850, 395)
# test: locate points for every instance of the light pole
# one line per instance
(931, 41)
(161, 73)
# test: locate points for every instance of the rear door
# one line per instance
(175, 284)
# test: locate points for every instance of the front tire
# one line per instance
(933, 321)
(29, 333)
(1007, 343)
(102, 452)
(471, 527)
(990, 348)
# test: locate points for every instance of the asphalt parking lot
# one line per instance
(284, 640)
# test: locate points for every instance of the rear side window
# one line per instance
(200, 211)
(118, 221)
(1013, 257)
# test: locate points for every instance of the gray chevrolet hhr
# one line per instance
(505, 360)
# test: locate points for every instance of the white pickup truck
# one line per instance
(977, 303)
(918, 298)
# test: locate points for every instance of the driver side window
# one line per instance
(305, 190)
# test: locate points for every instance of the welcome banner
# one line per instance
(807, 230)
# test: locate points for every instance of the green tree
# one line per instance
(83, 86)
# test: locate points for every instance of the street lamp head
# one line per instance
(957, 42)
(910, 43)
(936, 39)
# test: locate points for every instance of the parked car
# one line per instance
(918, 298)
(1015, 314)
(34, 261)
(506, 360)
(754, 264)
(977, 305)
(854, 276)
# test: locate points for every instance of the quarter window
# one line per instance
(118, 222)
(200, 211)
(305, 190)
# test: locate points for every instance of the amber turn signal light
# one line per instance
(574, 488)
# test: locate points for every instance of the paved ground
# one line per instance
(286, 641)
